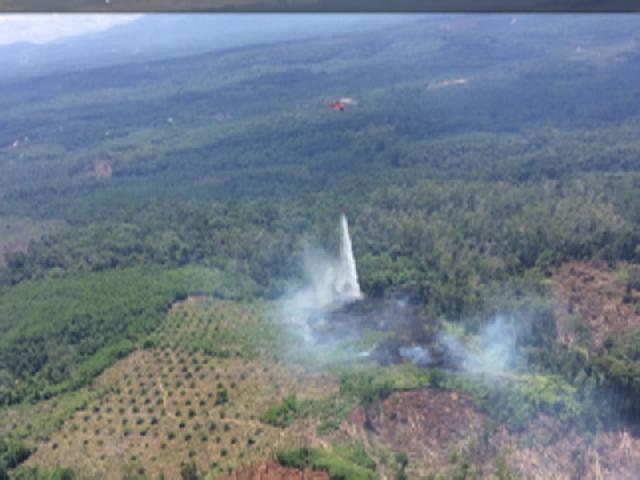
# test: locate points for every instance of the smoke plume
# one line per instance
(330, 283)
(493, 351)
(416, 354)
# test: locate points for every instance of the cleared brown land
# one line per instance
(440, 431)
(596, 294)
(548, 449)
(275, 471)
(429, 425)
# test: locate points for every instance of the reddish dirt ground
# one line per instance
(103, 169)
(596, 294)
(275, 471)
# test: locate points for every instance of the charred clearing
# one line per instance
(408, 333)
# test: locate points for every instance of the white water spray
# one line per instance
(331, 282)
(347, 278)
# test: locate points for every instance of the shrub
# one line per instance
(284, 414)
(189, 472)
(366, 388)
(346, 462)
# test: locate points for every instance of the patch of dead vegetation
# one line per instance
(440, 431)
(431, 426)
(597, 296)
(616, 454)
(102, 169)
(550, 449)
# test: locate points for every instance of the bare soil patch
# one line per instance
(275, 471)
(441, 431)
(431, 426)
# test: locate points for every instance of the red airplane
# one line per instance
(340, 104)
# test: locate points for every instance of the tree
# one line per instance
(189, 471)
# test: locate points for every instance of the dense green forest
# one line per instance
(480, 156)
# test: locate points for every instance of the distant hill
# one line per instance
(162, 36)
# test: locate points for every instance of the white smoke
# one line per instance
(493, 351)
(417, 354)
(330, 283)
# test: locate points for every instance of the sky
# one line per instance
(43, 28)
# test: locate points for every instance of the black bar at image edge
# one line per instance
(389, 6)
